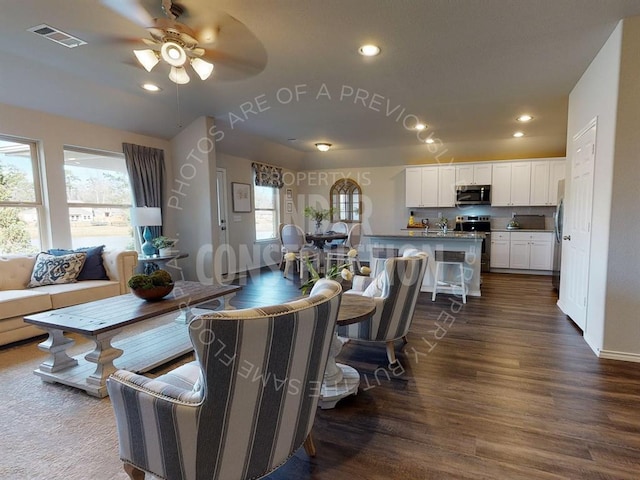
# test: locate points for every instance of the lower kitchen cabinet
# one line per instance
(531, 250)
(500, 244)
(522, 250)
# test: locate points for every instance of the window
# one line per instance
(266, 212)
(346, 201)
(20, 197)
(99, 199)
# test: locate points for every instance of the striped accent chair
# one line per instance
(395, 291)
(244, 406)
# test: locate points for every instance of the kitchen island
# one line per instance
(430, 242)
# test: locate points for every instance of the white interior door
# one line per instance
(576, 243)
(221, 255)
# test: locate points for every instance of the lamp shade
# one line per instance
(146, 216)
(147, 58)
(202, 68)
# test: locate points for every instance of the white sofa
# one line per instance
(16, 300)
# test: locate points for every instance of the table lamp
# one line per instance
(146, 217)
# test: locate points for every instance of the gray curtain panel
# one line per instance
(145, 166)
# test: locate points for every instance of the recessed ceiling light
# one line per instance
(369, 50)
(429, 140)
(150, 87)
(323, 147)
(518, 134)
(420, 126)
(524, 118)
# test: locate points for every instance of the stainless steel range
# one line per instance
(478, 223)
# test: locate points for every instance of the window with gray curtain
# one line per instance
(145, 166)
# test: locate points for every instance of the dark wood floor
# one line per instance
(503, 387)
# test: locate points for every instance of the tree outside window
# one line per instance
(20, 197)
(266, 212)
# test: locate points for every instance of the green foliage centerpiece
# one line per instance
(318, 215)
(151, 287)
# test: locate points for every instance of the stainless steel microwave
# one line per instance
(473, 195)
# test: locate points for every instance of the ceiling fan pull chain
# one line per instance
(178, 105)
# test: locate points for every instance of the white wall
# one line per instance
(52, 133)
(595, 96)
(622, 329)
(608, 91)
(191, 205)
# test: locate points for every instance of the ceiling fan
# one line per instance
(213, 39)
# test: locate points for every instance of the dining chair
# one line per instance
(338, 227)
(395, 291)
(244, 406)
(340, 253)
(299, 251)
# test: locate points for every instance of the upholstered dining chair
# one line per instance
(244, 406)
(338, 227)
(295, 244)
(340, 253)
(395, 291)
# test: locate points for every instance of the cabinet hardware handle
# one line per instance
(567, 237)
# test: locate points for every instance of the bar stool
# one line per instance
(446, 257)
(378, 257)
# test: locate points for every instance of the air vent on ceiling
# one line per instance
(57, 36)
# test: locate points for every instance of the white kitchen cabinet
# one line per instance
(474, 174)
(557, 172)
(431, 186)
(500, 245)
(446, 186)
(421, 187)
(511, 184)
(531, 250)
(545, 175)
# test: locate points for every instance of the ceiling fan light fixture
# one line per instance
(173, 54)
(202, 68)
(323, 147)
(179, 75)
(147, 58)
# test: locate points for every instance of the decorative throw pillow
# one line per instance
(52, 269)
(93, 268)
(375, 287)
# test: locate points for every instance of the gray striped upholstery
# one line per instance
(401, 282)
(244, 406)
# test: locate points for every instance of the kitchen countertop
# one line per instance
(519, 230)
(419, 233)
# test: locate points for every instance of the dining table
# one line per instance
(319, 239)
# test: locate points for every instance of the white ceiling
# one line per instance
(465, 67)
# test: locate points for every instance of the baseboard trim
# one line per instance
(624, 356)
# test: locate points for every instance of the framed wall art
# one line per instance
(241, 197)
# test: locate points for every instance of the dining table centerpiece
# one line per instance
(152, 287)
(318, 215)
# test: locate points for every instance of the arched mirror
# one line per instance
(346, 201)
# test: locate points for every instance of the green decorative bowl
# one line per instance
(153, 294)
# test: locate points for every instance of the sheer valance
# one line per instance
(267, 176)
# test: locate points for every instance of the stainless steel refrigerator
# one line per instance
(558, 218)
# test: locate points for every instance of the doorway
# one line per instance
(221, 254)
(576, 239)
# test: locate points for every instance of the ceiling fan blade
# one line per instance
(130, 9)
(236, 52)
(151, 43)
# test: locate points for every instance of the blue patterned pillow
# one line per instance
(93, 268)
(52, 269)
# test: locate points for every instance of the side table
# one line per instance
(153, 263)
(342, 380)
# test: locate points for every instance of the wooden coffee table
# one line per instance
(102, 320)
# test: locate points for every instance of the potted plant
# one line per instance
(318, 215)
(164, 245)
(151, 287)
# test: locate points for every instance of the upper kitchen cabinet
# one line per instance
(446, 186)
(431, 186)
(479, 174)
(545, 175)
(421, 186)
(511, 184)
